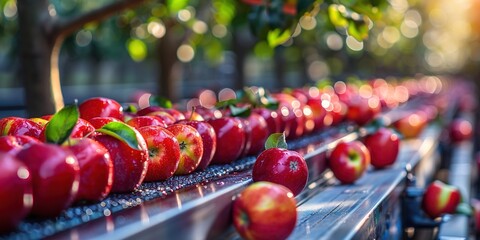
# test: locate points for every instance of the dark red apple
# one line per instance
(383, 146)
(191, 147)
(130, 164)
(281, 166)
(230, 139)
(55, 177)
(13, 144)
(318, 113)
(209, 139)
(96, 169)
(16, 126)
(163, 150)
(265, 210)
(349, 161)
(362, 110)
(258, 135)
(460, 130)
(142, 121)
(98, 122)
(15, 192)
(166, 117)
(271, 118)
(100, 107)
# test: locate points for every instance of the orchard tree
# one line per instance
(41, 33)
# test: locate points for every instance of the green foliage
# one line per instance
(176, 5)
(137, 49)
(61, 125)
(160, 101)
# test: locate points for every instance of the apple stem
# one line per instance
(191, 114)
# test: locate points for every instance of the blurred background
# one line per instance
(177, 48)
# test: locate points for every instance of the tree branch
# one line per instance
(63, 27)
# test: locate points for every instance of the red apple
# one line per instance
(166, 117)
(349, 161)
(142, 121)
(98, 122)
(16, 126)
(230, 139)
(411, 125)
(209, 140)
(96, 169)
(383, 146)
(13, 144)
(163, 150)
(460, 130)
(193, 116)
(265, 210)
(55, 177)
(440, 198)
(130, 164)
(100, 107)
(281, 166)
(259, 133)
(271, 118)
(362, 110)
(15, 192)
(318, 113)
(191, 147)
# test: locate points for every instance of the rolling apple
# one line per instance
(440, 198)
(265, 210)
(383, 146)
(411, 125)
(278, 165)
(349, 161)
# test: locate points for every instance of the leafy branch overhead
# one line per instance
(275, 20)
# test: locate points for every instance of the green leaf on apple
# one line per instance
(464, 209)
(160, 101)
(226, 103)
(122, 132)
(240, 111)
(131, 109)
(61, 125)
(276, 140)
